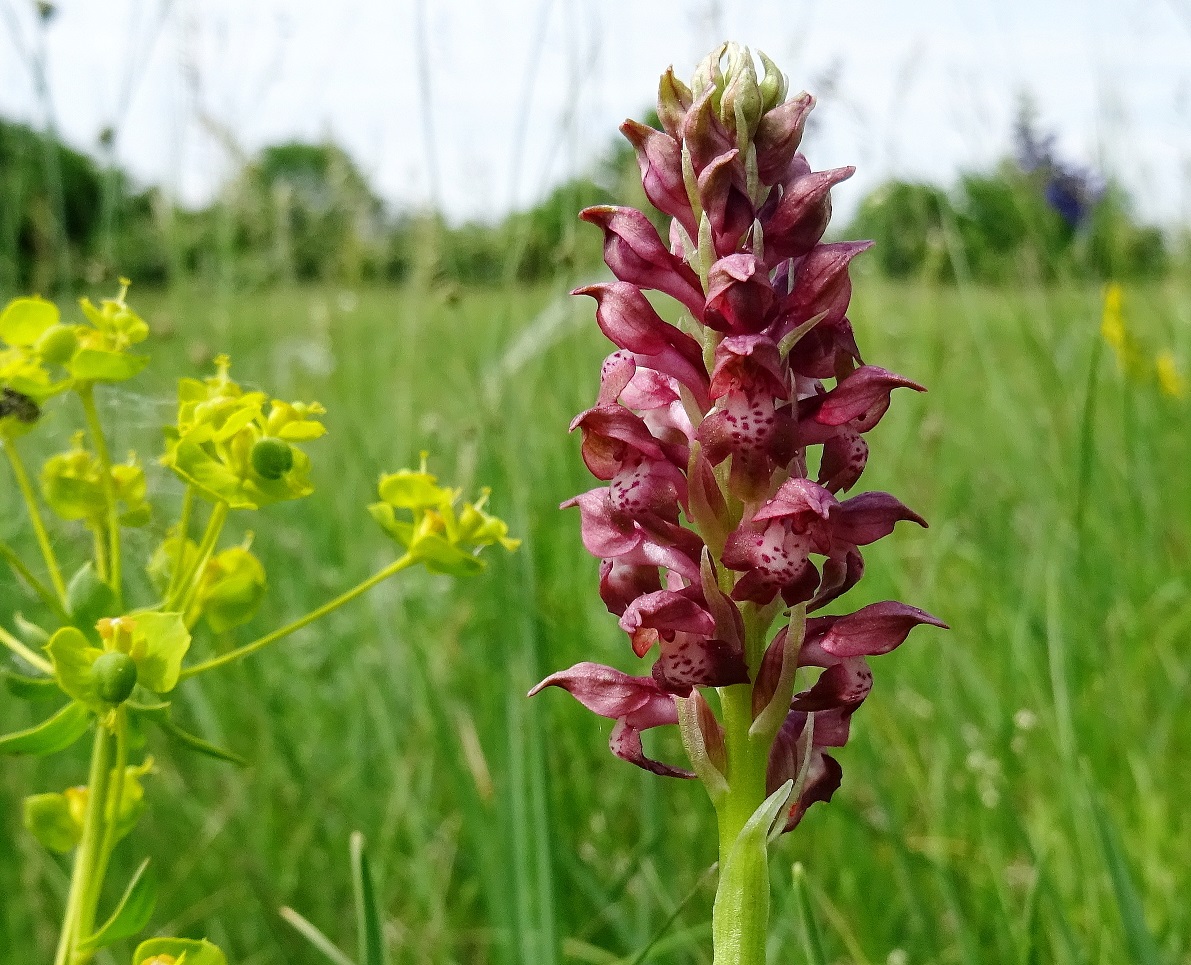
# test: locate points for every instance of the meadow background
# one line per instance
(1015, 789)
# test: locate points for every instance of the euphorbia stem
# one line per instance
(184, 592)
(114, 803)
(86, 393)
(98, 539)
(183, 536)
(747, 759)
(87, 854)
(18, 566)
(379, 577)
(43, 538)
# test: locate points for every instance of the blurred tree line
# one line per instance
(998, 227)
(1033, 216)
(305, 212)
(294, 212)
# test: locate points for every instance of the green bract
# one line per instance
(72, 655)
(155, 642)
(56, 819)
(430, 528)
(24, 379)
(214, 445)
(172, 554)
(178, 951)
(72, 483)
(88, 598)
(230, 589)
(103, 348)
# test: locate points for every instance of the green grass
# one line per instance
(1014, 790)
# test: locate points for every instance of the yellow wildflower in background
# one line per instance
(1170, 379)
(1112, 326)
(1119, 338)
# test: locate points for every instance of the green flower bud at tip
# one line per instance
(774, 86)
(57, 344)
(114, 674)
(272, 458)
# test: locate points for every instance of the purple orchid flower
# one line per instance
(710, 524)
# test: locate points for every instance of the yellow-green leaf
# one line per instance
(131, 914)
(99, 365)
(401, 531)
(24, 319)
(197, 744)
(50, 736)
(214, 479)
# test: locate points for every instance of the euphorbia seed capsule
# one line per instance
(114, 674)
(272, 458)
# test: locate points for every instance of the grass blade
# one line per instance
(812, 942)
(646, 952)
(1087, 434)
(310, 932)
(1142, 948)
(368, 921)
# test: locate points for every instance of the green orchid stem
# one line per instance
(86, 393)
(180, 599)
(15, 645)
(23, 571)
(230, 657)
(87, 855)
(747, 763)
(43, 538)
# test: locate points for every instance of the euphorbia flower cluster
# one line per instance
(116, 653)
(725, 443)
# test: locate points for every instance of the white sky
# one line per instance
(524, 93)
